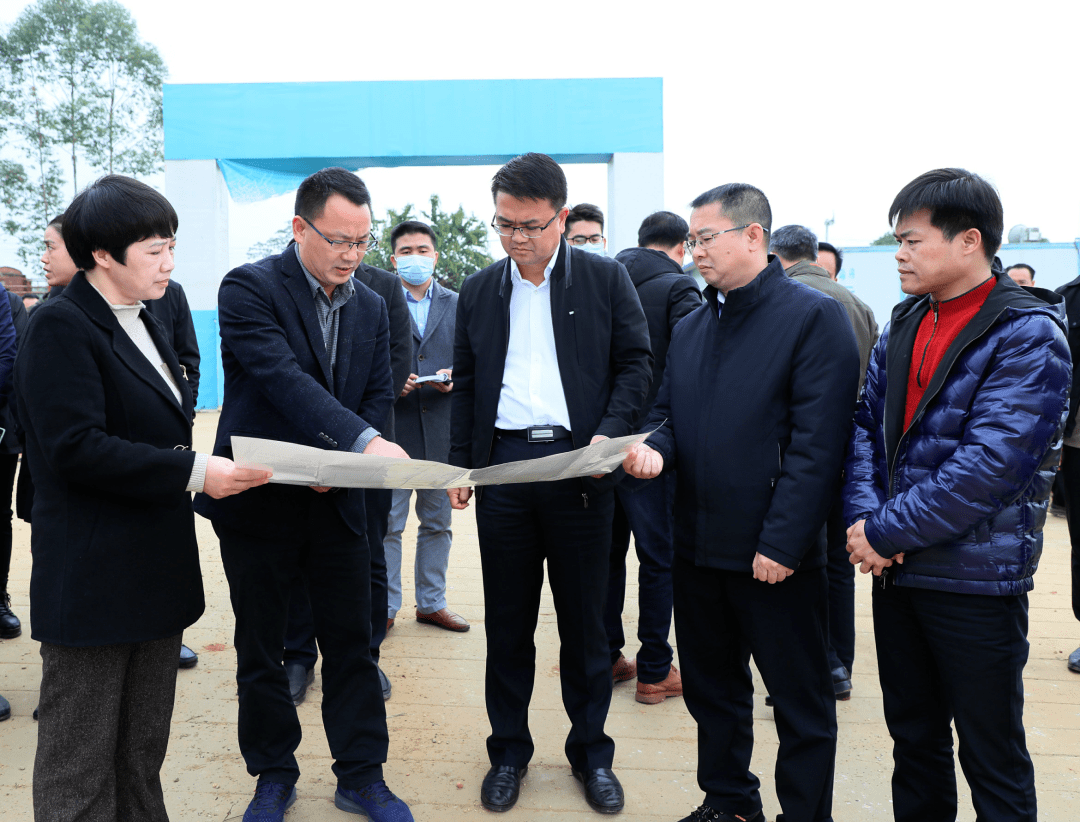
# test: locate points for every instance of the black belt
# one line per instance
(536, 433)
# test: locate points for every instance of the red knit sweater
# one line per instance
(941, 325)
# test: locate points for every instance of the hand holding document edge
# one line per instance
(294, 464)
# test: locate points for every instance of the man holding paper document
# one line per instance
(551, 353)
(306, 355)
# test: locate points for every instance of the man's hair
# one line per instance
(957, 201)
(1022, 265)
(313, 193)
(57, 221)
(531, 176)
(662, 228)
(740, 202)
(111, 214)
(584, 212)
(412, 227)
(794, 243)
(836, 252)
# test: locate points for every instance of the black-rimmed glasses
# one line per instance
(345, 245)
(528, 232)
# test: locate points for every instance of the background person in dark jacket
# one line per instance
(797, 247)
(10, 626)
(667, 295)
(551, 352)
(756, 396)
(107, 416)
(949, 469)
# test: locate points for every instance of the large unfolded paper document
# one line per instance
(302, 465)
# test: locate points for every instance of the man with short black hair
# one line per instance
(306, 356)
(953, 452)
(753, 414)
(423, 425)
(667, 295)
(585, 228)
(551, 354)
(830, 258)
(1021, 274)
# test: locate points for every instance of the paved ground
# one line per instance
(438, 725)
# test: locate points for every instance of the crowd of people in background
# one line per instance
(789, 443)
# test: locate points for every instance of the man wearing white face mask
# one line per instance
(422, 417)
(585, 229)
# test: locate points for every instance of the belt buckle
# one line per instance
(541, 433)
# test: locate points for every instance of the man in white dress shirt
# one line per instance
(551, 353)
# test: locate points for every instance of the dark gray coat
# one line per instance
(423, 417)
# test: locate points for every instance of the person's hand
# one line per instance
(863, 554)
(459, 497)
(410, 385)
(444, 387)
(380, 447)
(225, 478)
(598, 438)
(320, 489)
(642, 461)
(769, 570)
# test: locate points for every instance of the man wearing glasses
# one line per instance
(306, 356)
(754, 413)
(551, 353)
(585, 228)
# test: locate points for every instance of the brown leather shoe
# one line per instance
(444, 618)
(656, 693)
(623, 669)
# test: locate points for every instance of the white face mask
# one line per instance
(594, 248)
(415, 269)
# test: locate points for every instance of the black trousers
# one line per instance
(722, 618)
(333, 563)
(519, 527)
(1070, 473)
(841, 591)
(946, 657)
(300, 626)
(646, 512)
(8, 464)
(105, 714)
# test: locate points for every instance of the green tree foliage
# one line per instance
(462, 241)
(80, 95)
(886, 239)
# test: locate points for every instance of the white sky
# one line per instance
(830, 107)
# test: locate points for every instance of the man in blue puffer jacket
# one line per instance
(951, 461)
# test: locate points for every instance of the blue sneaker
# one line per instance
(376, 802)
(270, 802)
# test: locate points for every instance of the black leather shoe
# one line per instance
(384, 681)
(299, 678)
(501, 787)
(706, 814)
(841, 679)
(602, 789)
(1074, 661)
(10, 627)
(5, 712)
(188, 657)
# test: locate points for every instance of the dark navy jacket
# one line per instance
(279, 386)
(963, 491)
(758, 410)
